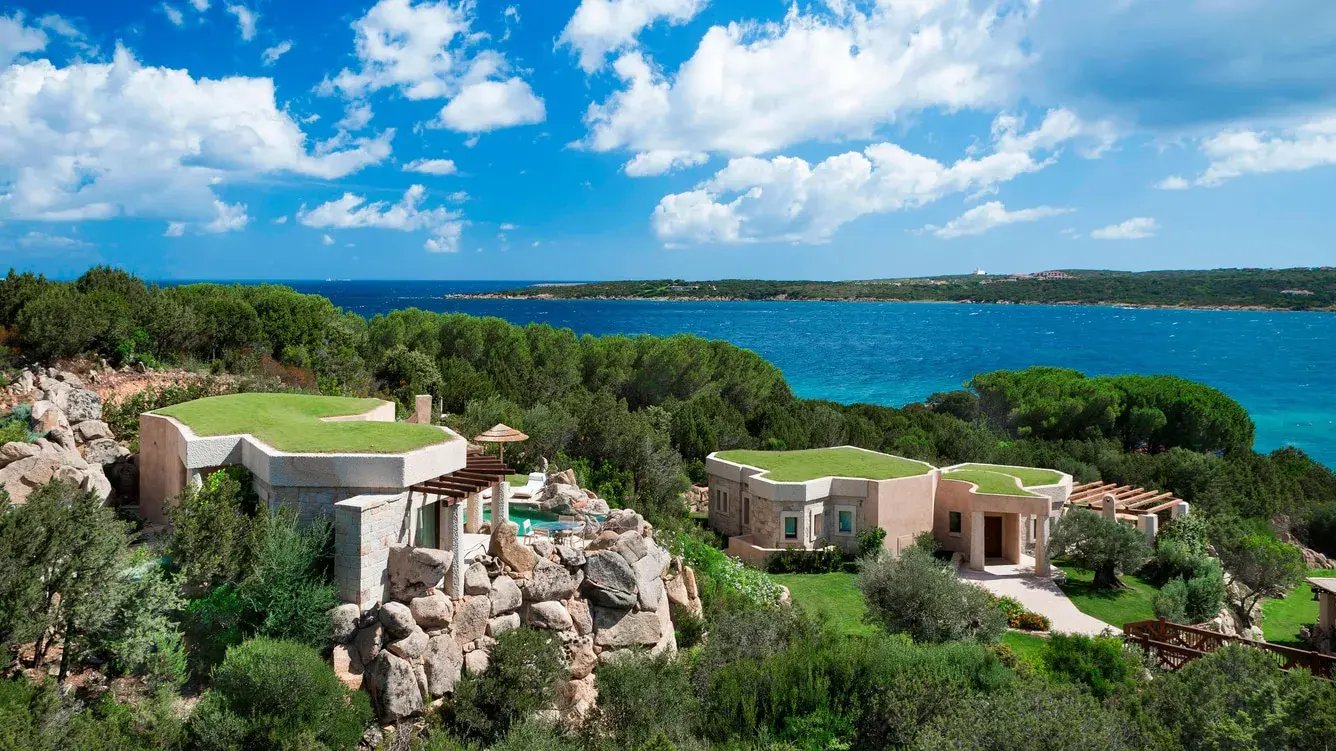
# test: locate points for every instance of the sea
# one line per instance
(1281, 366)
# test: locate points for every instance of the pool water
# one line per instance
(520, 513)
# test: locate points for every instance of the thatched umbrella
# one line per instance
(500, 434)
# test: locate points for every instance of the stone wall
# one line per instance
(618, 594)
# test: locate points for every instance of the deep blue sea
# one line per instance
(1280, 366)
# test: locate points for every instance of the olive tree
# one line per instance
(1097, 544)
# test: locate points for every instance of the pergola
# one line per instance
(1135, 504)
(480, 472)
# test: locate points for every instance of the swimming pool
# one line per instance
(536, 518)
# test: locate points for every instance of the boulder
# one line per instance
(564, 477)
(550, 581)
(598, 507)
(442, 663)
(91, 430)
(561, 498)
(581, 617)
(21, 477)
(549, 615)
(368, 640)
(570, 557)
(609, 580)
(343, 622)
(63, 437)
(433, 610)
(46, 417)
(81, 404)
(632, 547)
(650, 594)
(26, 382)
(476, 581)
(416, 571)
(14, 451)
(616, 628)
(347, 667)
(103, 451)
(689, 579)
(471, 619)
(503, 623)
(476, 662)
(677, 591)
(542, 547)
(622, 520)
(507, 548)
(394, 688)
(397, 619)
(412, 646)
(576, 699)
(505, 595)
(581, 658)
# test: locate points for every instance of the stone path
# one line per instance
(1036, 593)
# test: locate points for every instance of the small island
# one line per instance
(1242, 289)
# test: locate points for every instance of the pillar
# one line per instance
(1041, 565)
(1150, 526)
(976, 540)
(500, 506)
(422, 409)
(473, 517)
(1109, 507)
(1179, 509)
(456, 548)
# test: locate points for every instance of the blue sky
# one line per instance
(590, 139)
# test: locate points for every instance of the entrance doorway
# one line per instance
(992, 537)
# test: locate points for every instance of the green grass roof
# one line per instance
(291, 422)
(1029, 476)
(993, 483)
(809, 464)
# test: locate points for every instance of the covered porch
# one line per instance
(450, 511)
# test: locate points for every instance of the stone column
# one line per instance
(422, 409)
(1179, 509)
(1109, 507)
(500, 504)
(1150, 526)
(473, 519)
(976, 540)
(456, 549)
(1041, 566)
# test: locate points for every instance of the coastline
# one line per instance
(1070, 303)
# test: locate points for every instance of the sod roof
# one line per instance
(992, 483)
(1029, 476)
(810, 464)
(292, 423)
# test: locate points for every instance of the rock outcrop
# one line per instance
(622, 594)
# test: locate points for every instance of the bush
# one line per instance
(644, 696)
(1099, 663)
(1030, 621)
(288, 593)
(519, 680)
(213, 624)
(34, 717)
(214, 529)
(871, 541)
(274, 693)
(797, 561)
(142, 635)
(1171, 602)
(919, 595)
(722, 579)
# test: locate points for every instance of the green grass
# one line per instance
(1027, 647)
(1282, 618)
(517, 480)
(835, 595)
(1115, 607)
(291, 422)
(809, 464)
(1029, 476)
(992, 483)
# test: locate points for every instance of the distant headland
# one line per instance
(1228, 289)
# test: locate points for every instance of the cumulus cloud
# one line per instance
(752, 88)
(444, 226)
(200, 5)
(659, 161)
(35, 239)
(437, 167)
(18, 39)
(246, 19)
(787, 199)
(428, 51)
(271, 54)
(102, 140)
(326, 240)
(173, 14)
(1238, 152)
(600, 27)
(1173, 182)
(986, 216)
(1136, 228)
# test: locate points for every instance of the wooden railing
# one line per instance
(1173, 645)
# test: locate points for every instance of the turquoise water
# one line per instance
(1281, 366)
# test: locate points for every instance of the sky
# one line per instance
(695, 139)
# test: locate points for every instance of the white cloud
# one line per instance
(350, 210)
(18, 39)
(175, 229)
(231, 218)
(200, 5)
(488, 105)
(986, 216)
(271, 54)
(1136, 228)
(787, 199)
(756, 88)
(507, 227)
(326, 240)
(173, 14)
(1235, 153)
(356, 116)
(432, 166)
(603, 26)
(36, 239)
(659, 161)
(427, 50)
(245, 20)
(459, 196)
(1173, 182)
(281, 220)
(101, 140)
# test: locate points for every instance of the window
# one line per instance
(845, 522)
(723, 504)
(815, 521)
(790, 528)
(425, 534)
(746, 509)
(955, 522)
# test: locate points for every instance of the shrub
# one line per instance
(1030, 621)
(287, 595)
(1099, 663)
(273, 693)
(142, 635)
(797, 561)
(642, 696)
(215, 531)
(919, 595)
(1171, 602)
(519, 680)
(871, 541)
(721, 578)
(213, 624)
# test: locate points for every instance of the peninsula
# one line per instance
(1266, 289)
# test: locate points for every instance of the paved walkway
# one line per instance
(1036, 593)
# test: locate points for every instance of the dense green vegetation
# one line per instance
(809, 464)
(1284, 616)
(1208, 289)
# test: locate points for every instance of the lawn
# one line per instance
(809, 464)
(1115, 607)
(836, 595)
(992, 483)
(1027, 647)
(1282, 618)
(1029, 476)
(291, 422)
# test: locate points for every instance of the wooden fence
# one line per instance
(1173, 645)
